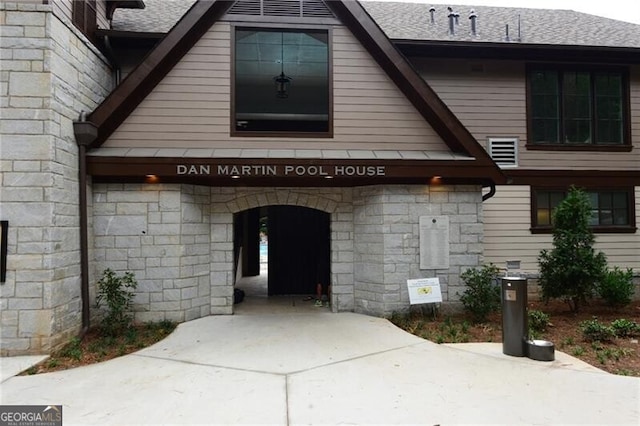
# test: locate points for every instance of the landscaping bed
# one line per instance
(620, 355)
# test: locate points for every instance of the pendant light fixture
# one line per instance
(282, 81)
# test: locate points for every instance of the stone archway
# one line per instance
(335, 201)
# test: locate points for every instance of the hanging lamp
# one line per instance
(282, 81)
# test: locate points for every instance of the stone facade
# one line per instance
(49, 73)
(387, 241)
(161, 233)
(178, 240)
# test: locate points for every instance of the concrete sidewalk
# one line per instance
(323, 368)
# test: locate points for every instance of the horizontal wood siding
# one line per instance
(507, 220)
(102, 14)
(63, 9)
(191, 106)
(489, 97)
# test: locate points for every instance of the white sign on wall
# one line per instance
(434, 242)
(424, 290)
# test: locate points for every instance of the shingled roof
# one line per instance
(412, 21)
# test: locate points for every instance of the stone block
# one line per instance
(165, 306)
(193, 313)
(146, 317)
(171, 295)
(14, 346)
(29, 290)
(30, 84)
(25, 303)
(119, 225)
(36, 323)
(25, 19)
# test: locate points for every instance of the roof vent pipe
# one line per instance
(519, 29)
(506, 30)
(451, 16)
(456, 17)
(473, 18)
(432, 12)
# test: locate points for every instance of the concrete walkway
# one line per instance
(324, 368)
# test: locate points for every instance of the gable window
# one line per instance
(577, 108)
(85, 17)
(612, 210)
(281, 82)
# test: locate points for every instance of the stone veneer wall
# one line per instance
(161, 233)
(178, 240)
(48, 75)
(387, 241)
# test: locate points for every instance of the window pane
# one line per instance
(543, 217)
(620, 200)
(621, 217)
(281, 80)
(556, 198)
(576, 92)
(608, 108)
(544, 106)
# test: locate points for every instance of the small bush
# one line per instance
(482, 296)
(595, 331)
(572, 269)
(616, 287)
(117, 293)
(625, 328)
(72, 350)
(538, 320)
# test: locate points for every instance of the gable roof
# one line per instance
(203, 14)
(412, 21)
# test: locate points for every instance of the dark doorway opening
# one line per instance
(298, 248)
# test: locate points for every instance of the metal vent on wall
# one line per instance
(289, 8)
(504, 151)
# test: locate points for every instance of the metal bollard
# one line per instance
(515, 328)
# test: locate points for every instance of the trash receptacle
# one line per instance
(515, 328)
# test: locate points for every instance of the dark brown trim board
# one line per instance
(566, 178)
(519, 51)
(4, 244)
(287, 172)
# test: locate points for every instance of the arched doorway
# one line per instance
(299, 242)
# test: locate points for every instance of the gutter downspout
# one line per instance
(491, 193)
(85, 133)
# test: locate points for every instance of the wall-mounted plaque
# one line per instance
(434, 242)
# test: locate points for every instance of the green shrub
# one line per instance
(482, 295)
(572, 269)
(595, 331)
(625, 328)
(72, 350)
(616, 287)
(117, 292)
(538, 320)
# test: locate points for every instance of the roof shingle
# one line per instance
(411, 21)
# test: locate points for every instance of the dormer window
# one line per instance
(281, 82)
